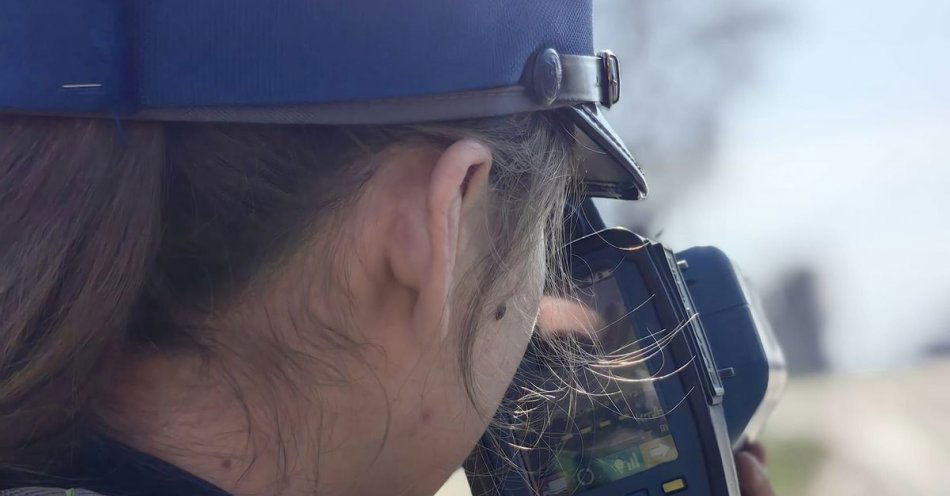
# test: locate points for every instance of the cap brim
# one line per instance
(608, 169)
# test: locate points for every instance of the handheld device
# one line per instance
(691, 371)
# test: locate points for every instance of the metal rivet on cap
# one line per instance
(546, 77)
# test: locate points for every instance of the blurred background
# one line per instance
(811, 142)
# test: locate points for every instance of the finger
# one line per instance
(756, 449)
(752, 478)
(565, 317)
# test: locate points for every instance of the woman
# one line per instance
(261, 308)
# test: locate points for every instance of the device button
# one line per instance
(585, 476)
(674, 486)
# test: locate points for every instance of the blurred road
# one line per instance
(882, 435)
(455, 486)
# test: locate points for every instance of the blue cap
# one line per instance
(317, 62)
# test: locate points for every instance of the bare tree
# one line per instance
(681, 63)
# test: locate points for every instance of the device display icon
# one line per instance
(659, 451)
(585, 476)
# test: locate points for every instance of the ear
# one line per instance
(457, 181)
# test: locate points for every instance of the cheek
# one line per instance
(501, 342)
(437, 421)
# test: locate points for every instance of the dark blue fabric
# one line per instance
(173, 53)
(45, 44)
(113, 469)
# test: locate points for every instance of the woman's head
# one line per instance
(297, 301)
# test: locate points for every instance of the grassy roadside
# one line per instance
(793, 464)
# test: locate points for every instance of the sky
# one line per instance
(838, 155)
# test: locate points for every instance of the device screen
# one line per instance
(615, 426)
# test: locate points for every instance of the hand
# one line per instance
(750, 463)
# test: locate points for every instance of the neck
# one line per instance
(246, 435)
